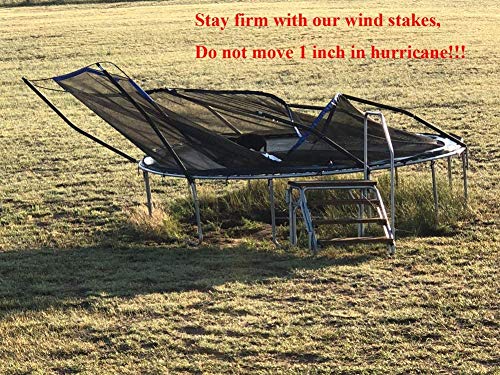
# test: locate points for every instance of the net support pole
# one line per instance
(270, 185)
(434, 190)
(409, 114)
(149, 202)
(73, 126)
(149, 121)
(296, 126)
(196, 203)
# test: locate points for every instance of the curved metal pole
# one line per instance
(224, 120)
(330, 107)
(392, 170)
(149, 121)
(73, 126)
(291, 124)
(409, 114)
(323, 137)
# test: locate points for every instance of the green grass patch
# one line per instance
(159, 226)
(243, 208)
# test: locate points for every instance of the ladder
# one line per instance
(371, 210)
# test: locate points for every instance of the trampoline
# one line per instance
(240, 134)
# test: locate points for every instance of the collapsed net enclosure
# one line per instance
(208, 132)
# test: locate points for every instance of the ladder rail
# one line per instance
(383, 211)
(391, 154)
(312, 222)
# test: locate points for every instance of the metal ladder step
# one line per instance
(369, 197)
(341, 202)
(356, 240)
(333, 184)
(374, 220)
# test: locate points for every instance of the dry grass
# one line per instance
(82, 291)
(159, 226)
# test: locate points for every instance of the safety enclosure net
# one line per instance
(208, 132)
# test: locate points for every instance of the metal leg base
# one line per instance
(194, 193)
(149, 202)
(270, 185)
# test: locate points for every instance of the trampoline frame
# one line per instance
(460, 152)
(459, 149)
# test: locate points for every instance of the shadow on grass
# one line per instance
(40, 279)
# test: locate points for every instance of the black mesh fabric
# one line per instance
(205, 128)
(199, 148)
(346, 128)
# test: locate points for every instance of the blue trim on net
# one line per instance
(77, 72)
(88, 69)
(315, 123)
(141, 92)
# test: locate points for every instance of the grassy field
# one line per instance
(89, 284)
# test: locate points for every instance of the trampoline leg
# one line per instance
(273, 213)
(434, 190)
(292, 218)
(464, 167)
(396, 175)
(148, 193)
(192, 185)
(449, 172)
